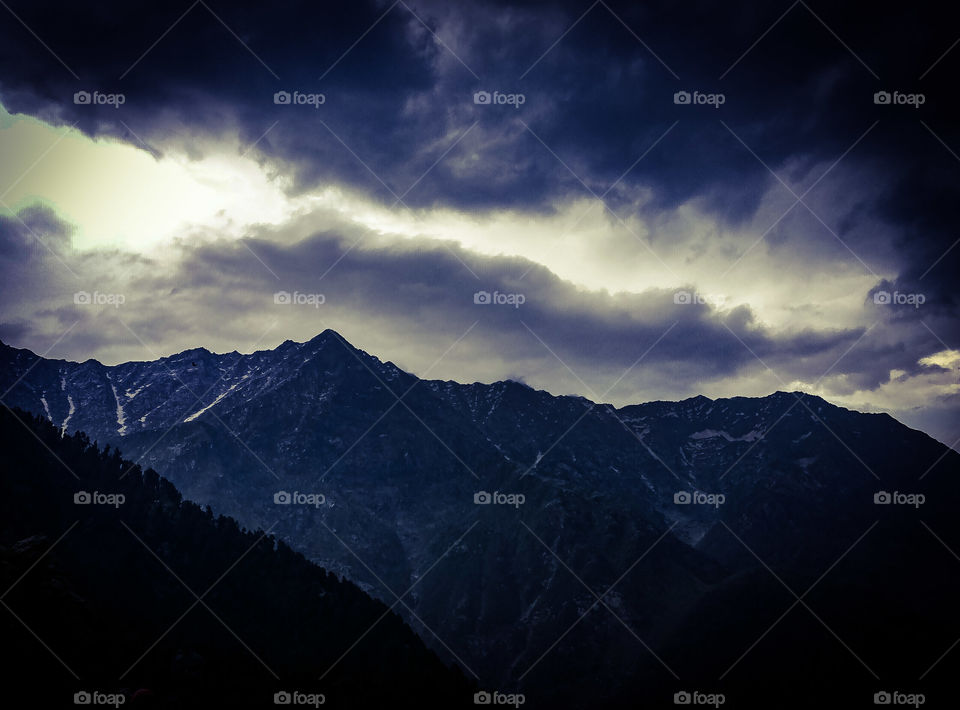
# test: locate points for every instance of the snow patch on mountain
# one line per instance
(216, 401)
(121, 417)
(70, 411)
(643, 433)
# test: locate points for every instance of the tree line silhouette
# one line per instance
(136, 591)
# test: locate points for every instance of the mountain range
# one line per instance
(577, 552)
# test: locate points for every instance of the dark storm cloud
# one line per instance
(598, 99)
(34, 244)
(30, 230)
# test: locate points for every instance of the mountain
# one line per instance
(589, 579)
(118, 587)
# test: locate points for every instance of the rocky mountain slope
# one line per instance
(609, 533)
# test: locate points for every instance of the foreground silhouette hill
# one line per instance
(97, 598)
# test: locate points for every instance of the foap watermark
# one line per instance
(485, 298)
(699, 498)
(885, 298)
(498, 498)
(85, 298)
(686, 298)
(695, 697)
(485, 697)
(698, 98)
(497, 98)
(98, 498)
(898, 498)
(285, 298)
(95, 697)
(98, 98)
(299, 98)
(898, 98)
(296, 697)
(298, 498)
(895, 697)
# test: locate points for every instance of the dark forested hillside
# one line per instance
(115, 585)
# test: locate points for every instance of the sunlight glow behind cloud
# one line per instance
(122, 197)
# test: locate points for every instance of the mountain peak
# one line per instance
(797, 394)
(327, 336)
(191, 353)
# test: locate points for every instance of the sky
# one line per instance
(617, 200)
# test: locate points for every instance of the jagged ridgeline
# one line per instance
(95, 571)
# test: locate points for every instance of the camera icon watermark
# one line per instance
(687, 298)
(485, 697)
(97, 498)
(697, 98)
(295, 697)
(297, 98)
(699, 498)
(285, 298)
(897, 498)
(695, 697)
(896, 697)
(96, 98)
(498, 498)
(95, 697)
(85, 298)
(897, 98)
(885, 298)
(298, 498)
(485, 298)
(497, 98)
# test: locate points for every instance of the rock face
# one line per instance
(666, 511)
